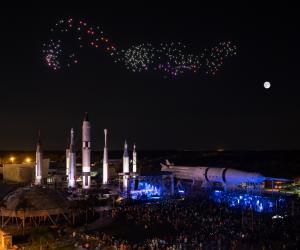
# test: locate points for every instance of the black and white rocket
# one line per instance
(86, 153)
(72, 162)
(38, 162)
(105, 159)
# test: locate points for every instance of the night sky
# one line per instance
(194, 111)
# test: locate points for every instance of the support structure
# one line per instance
(105, 159)
(86, 153)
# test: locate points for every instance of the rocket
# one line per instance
(67, 159)
(125, 159)
(226, 176)
(125, 166)
(72, 162)
(105, 159)
(134, 155)
(39, 161)
(86, 153)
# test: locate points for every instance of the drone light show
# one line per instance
(69, 37)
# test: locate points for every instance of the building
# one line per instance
(23, 172)
(35, 204)
(5, 240)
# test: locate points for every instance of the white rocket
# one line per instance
(226, 176)
(125, 165)
(72, 160)
(86, 153)
(105, 159)
(67, 159)
(125, 159)
(134, 161)
(39, 162)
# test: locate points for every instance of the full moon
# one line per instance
(267, 85)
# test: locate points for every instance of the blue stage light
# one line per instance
(257, 202)
(146, 191)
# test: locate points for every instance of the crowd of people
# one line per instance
(194, 223)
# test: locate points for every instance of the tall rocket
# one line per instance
(86, 153)
(105, 159)
(72, 160)
(125, 166)
(38, 161)
(134, 163)
(125, 159)
(68, 158)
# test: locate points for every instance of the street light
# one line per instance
(28, 160)
(12, 159)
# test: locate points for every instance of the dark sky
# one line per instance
(231, 110)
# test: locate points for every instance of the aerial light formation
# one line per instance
(69, 37)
